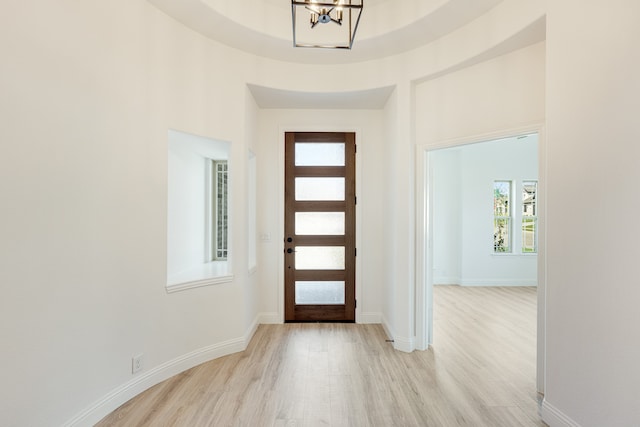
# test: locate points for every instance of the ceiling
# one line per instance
(264, 27)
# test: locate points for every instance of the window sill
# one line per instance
(512, 254)
(212, 273)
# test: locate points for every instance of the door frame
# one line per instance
(361, 315)
(424, 236)
(320, 312)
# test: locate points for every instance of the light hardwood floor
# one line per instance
(479, 372)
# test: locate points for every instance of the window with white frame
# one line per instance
(529, 217)
(198, 228)
(220, 218)
(502, 216)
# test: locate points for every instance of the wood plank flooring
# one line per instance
(479, 372)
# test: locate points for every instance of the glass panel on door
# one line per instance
(320, 223)
(319, 257)
(319, 154)
(320, 292)
(321, 189)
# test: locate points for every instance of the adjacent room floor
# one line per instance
(479, 372)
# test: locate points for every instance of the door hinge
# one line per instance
(356, 304)
(355, 200)
(355, 251)
(355, 148)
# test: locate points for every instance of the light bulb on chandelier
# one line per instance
(344, 13)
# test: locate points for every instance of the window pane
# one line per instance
(320, 223)
(529, 217)
(529, 232)
(502, 216)
(319, 154)
(319, 188)
(501, 193)
(529, 192)
(221, 238)
(501, 238)
(319, 293)
(319, 257)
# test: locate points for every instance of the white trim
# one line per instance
(101, 408)
(387, 327)
(446, 280)
(360, 290)
(251, 331)
(514, 254)
(198, 283)
(452, 281)
(269, 318)
(555, 417)
(541, 200)
(423, 257)
(369, 318)
(498, 282)
(483, 137)
(280, 236)
(404, 344)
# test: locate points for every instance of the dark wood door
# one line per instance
(319, 224)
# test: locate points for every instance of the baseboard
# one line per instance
(369, 318)
(555, 417)
(269, 318)
(122, 394)
(498, 282)
(399, 343)
(117, 397)
(386, 327)
(446, 280)
(251, 331)
(404, 344)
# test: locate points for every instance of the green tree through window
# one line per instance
(501, 216)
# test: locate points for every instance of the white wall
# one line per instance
(493, 99)
(252, 290)
(389, 297)
(463, 212)
(89, 93)
(445, 175)
(481, 164)
(497, 95)
(592, 285)
(90, 90)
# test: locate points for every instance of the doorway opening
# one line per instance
(482, 227)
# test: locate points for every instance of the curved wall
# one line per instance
(89, 92)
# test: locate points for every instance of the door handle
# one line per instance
(290, 250)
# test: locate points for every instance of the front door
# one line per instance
(319, 225)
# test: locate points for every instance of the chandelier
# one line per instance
(325, 24)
